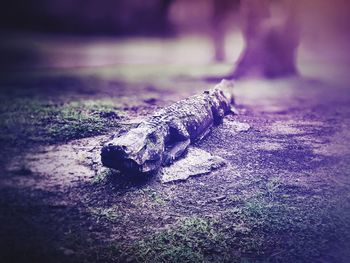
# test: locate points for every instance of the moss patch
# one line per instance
(262, 229)
(192, 240)
(26, 121)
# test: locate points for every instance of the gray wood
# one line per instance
(164, 136)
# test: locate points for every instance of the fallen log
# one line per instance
(164, 136)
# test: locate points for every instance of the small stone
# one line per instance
(109, 115)
(151, 101)
(220, 198)
(236, 126)
(67, 251)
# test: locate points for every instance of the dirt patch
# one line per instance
(58, 166)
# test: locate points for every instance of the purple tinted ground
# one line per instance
(283, 197)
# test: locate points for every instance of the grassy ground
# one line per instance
(27, 121)
(284, 197)
(261, 230)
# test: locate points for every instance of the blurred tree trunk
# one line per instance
(221, 9)
(271, 39)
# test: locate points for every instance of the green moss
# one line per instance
(262, 229)
(191, 240)
(26, 121)
(101, 176)
(153, 195)
(109, 214)
(268, 229)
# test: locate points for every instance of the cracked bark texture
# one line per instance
(164, 137)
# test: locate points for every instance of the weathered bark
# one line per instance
(164, 136)
(271, 37)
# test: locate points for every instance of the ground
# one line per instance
(283, 195)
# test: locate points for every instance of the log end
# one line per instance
(137, 151)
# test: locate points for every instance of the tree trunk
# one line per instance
(271, 39)
(221, 10)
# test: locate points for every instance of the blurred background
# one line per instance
(60, 34)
